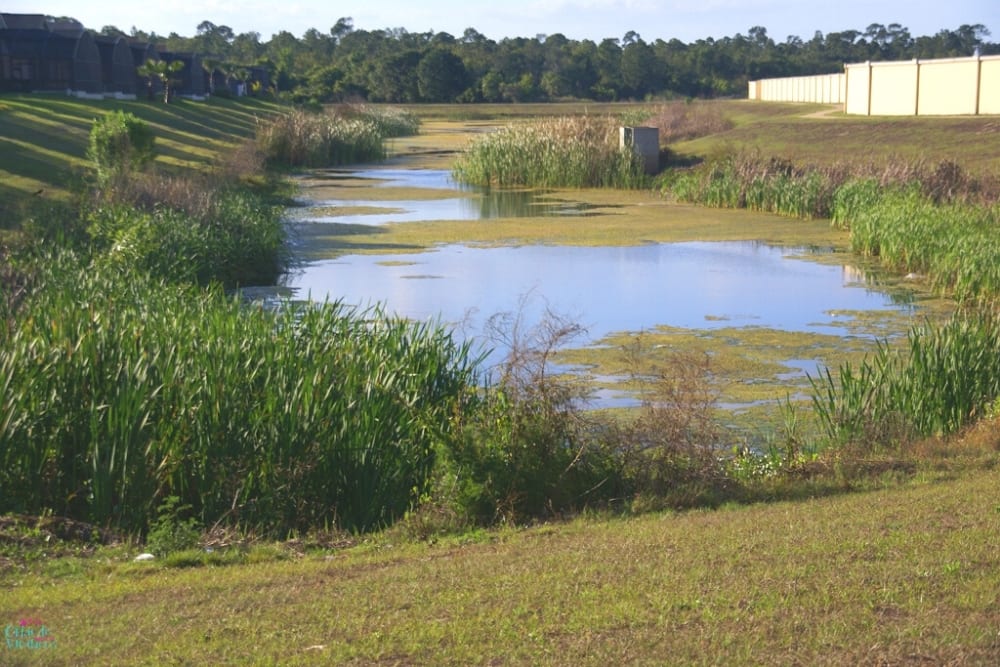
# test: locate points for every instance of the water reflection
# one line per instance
(607, 289)
(475, 203)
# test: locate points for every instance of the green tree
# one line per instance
(441, 76)
(164, 72)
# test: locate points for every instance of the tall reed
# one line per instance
(940, 382)
(118, 391)
(932, 221)
(956, 245)
(748, 181)
(576, 152)
(338, 136)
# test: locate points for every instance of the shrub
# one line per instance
(119, 143)
(185, 230)
(527, 448)
(170, 533)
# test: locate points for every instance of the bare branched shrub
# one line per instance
(671, 449)
(529, 448)
(524, 374)
(245, 161)
(194, 196)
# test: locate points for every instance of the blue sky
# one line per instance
(687, 20)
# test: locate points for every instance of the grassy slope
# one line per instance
(906, 575)
(43, 139)
(819, 134)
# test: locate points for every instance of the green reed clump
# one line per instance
(956, 245)
(305, 139)
(118, 391)
(221, 233)
(747, 181)
(575, 152)
(941, 381)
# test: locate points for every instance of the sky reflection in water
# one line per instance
(607, 289)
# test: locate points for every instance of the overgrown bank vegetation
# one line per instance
(122, 390)
(131, 380)
(159, 399)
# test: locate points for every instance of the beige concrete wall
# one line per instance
(989, 85)
(948, 87)
(858, 87)
(823, 89)
(952, 86)
(894, 89)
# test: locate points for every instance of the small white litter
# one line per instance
(144, 557)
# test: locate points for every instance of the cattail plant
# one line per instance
(120, 390)
(572, 151)
(939, 382)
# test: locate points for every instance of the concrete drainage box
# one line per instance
(646, 142)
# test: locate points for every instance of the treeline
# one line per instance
(398, 66)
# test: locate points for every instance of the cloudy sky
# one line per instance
(687, 20)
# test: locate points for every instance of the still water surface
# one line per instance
(697, 285)
(607, 289)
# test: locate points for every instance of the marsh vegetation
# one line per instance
(161, 386)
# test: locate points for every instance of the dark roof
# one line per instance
(25, 21)
(143, 51)
(23, 43)
(59, 60)
(117, 65)
(70, 26)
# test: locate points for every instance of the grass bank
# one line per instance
(44, 138)
(898, 576)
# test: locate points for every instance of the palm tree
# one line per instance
(162, 70)
(210, 65)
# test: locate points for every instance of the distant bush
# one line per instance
(391, 121)
(120, 143)
(681, 121)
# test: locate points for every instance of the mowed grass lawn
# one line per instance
(907, 576)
